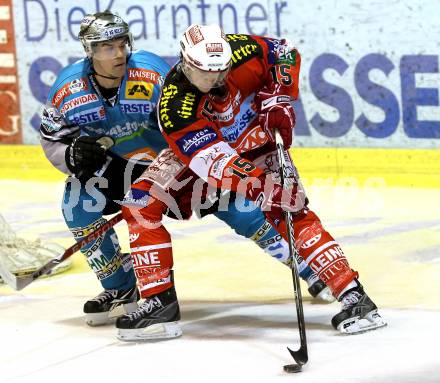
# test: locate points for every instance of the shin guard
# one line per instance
(321, 252)
(150, 242)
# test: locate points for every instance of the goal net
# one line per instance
(22, 257)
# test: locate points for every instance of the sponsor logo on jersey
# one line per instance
(187, 108)
(214, 48)
(310, 242)
(61, 95)
(77, 85)
(333, 258)
(168, 92)
(219, 164)
(242, 121)
(226, 114)
(51, 120)
(141, 74)
(136, 197)
(104, 268)
(88, 116)
(143, 107)
(252, 140)
(244, 52)
(145, 258)
(133, 237)
(236, 37)
(193, 141)
(79, 101)
(270, 241)
(69, 88)
(139, 90)
(195, 34)
(119, 131)
(79, 232)
(262, 231)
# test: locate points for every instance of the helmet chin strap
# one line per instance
(103, 75)
(109, 77)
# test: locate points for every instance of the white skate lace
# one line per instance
(106, 295)
(350, 299)
(145, 308)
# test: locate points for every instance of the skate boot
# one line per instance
(318, 289)
(156, 318)
(109, 305)
(359, 313)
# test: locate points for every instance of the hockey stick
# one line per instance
(19, 283)
(300, 356)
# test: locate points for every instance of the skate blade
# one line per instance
(357, 325)
(154, 332)
(109, 317)
(326, 296)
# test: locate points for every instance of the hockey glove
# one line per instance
(276, 112)
(85, 155)
(272, 198)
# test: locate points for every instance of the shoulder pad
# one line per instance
(72, 79)
(178, 104)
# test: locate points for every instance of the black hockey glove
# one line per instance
(85, 155)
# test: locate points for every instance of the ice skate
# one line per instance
(109, 305)
(156, 318)
(359, 313)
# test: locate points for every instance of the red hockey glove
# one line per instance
(271, 197)
(276, 112)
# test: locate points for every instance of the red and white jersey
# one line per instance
(210, 132)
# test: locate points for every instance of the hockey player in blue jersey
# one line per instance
(99, 127)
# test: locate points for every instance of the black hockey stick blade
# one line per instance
(301, 356)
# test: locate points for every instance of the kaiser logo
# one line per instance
(140, 74)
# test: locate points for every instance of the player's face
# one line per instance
(204, 80)
(111, 56)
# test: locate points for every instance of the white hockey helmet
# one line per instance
(206, 56)
(103, 26)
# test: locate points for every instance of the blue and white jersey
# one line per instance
(75, 107)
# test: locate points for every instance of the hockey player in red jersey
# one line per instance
(218, 110)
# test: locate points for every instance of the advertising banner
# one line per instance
(370, 70)
(10, 129)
